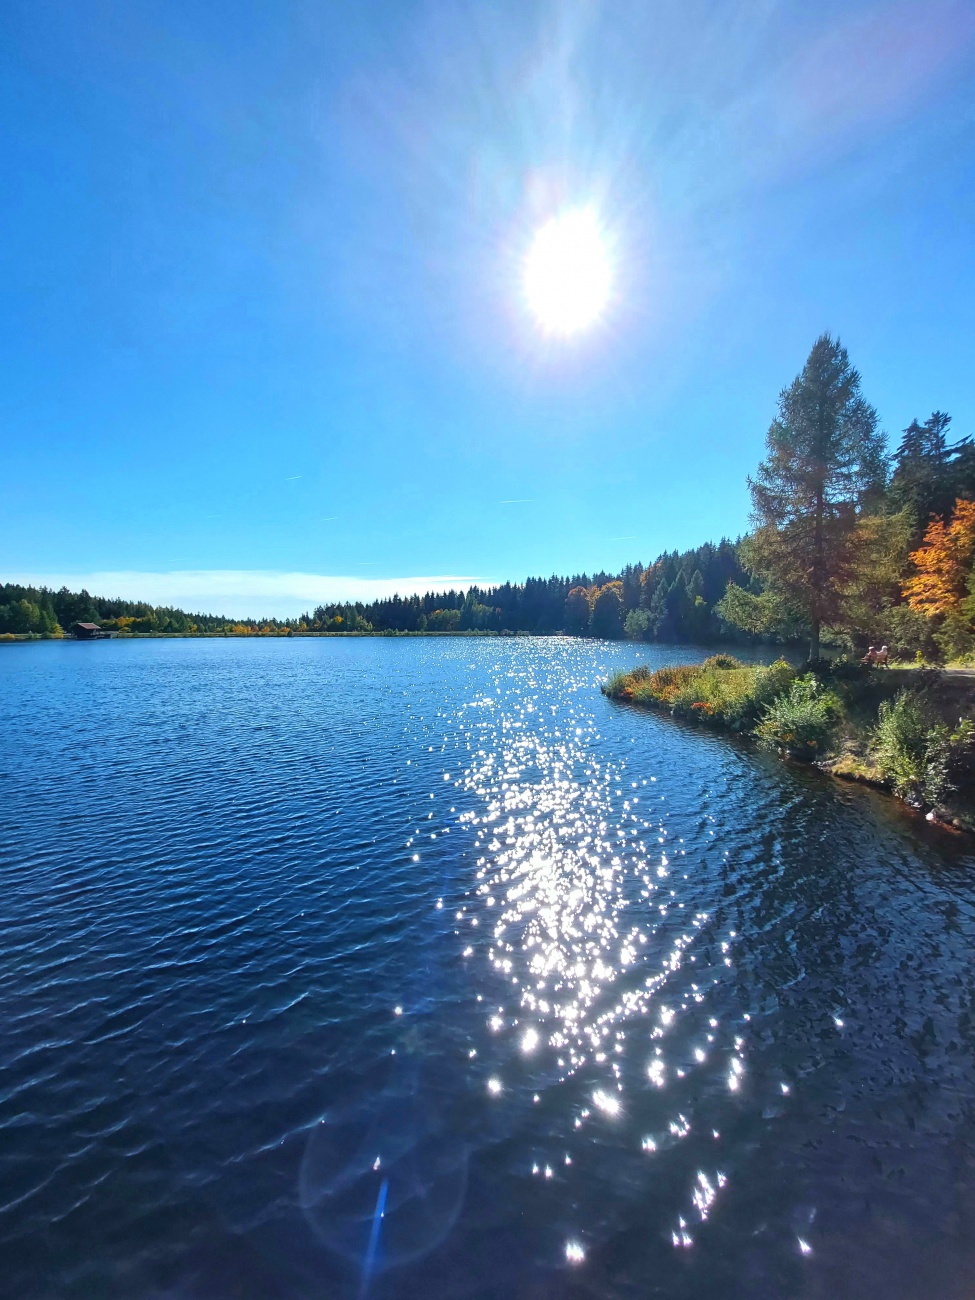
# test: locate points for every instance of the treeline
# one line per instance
(851, 544)
(673, 599)
(43, 612)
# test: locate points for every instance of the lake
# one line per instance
(395, 967)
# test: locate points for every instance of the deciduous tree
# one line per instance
(578, 611)
(607, 611)
(943, 564)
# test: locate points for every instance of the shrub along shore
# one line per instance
(909, 731)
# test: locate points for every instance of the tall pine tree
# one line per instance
(825, 461)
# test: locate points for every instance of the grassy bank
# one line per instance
(909, 731)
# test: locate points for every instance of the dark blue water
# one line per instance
(418, 968)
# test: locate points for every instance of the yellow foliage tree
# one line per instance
(943, 563)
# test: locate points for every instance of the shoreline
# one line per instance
(849, 755)
(9, 638)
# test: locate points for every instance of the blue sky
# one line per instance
(262, 320)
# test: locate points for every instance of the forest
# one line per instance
(851, 544)
(674, 599)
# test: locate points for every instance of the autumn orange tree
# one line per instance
(943, 586)
(943, 563)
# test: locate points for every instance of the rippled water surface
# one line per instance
(416, 967)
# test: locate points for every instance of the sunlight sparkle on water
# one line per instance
(592, 944)
(607, 1104)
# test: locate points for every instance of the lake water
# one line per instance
(418, 968)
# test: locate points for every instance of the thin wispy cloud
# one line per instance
(291, 478)
(516, 501)
(243, 593)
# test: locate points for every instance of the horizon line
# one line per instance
(239, 592)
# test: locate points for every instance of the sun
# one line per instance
(568, 273)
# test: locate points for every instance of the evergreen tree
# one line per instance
(825, 462)
(921, 468)
(660, 626)
(930, 474)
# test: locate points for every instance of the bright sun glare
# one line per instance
(568, 273)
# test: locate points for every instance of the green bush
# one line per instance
(724, 695)
(617, 683)
(918, 755)
(620, 685)
(665, 684)
(951, 761)
(900, 742)
(772, 681)
(722, 661)
(732, 696)
(802, 720)
(721, 691)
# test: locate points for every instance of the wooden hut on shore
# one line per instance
(89, 632)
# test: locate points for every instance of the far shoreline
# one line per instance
(9, 638)
(20, 637)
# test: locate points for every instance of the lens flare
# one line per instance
(568, 273)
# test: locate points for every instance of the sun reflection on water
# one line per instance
(592, 925)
